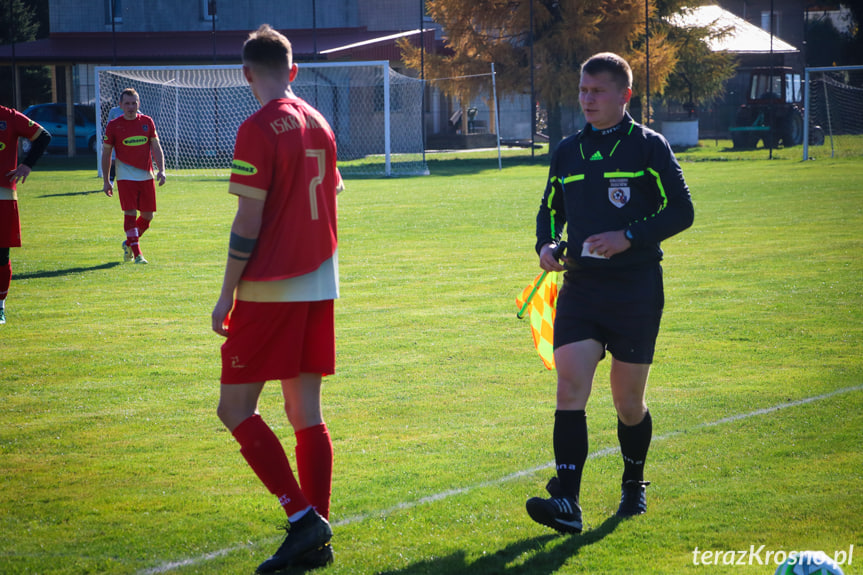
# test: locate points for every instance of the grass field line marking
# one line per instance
(165, 567)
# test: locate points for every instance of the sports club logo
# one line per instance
(2, 146)
(136, 141)
(618, 196)
(241, 168)
(3, 126)
(618, 192)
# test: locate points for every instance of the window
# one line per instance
(115, 8)
(765, 22)
(795, 88)
(209, 10)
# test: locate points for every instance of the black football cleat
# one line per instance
(633, 499)
(561, 512)
(316, 558)
(305, 538)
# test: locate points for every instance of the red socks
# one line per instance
(265, 455)
(142, 225)
(135, 228)
(5, 279)
(314, 453)
(129, 224)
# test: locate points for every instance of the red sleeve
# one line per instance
(152, 128)
(25, 127)
(252, 167)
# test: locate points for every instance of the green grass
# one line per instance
(112, 459)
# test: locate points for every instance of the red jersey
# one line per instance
(285, 154)
(13, 124)
(131, 140)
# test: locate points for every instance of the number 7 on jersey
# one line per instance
(321, 157)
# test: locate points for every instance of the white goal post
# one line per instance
(375, 112)
(833, 106)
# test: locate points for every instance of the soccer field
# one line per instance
(113, 461)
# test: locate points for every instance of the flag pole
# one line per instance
(520, 314)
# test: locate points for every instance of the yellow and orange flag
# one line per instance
(539, 299)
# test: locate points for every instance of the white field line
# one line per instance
(166, 567)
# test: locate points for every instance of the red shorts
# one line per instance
(135, 195)
(278, 340)
(10, 225)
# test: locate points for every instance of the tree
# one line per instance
(565, 33)
(18, 22)
(854, 45)
(827, 46)
(23, 21)
(700, 75)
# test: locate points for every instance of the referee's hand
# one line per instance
(608, 244)
(547, 261)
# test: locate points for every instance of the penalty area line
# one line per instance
(165, 567)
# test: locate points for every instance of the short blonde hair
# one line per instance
(130, 92)
(268, 48)
(609, 62)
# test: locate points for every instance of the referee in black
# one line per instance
(619, 190)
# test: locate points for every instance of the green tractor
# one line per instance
(773, 112)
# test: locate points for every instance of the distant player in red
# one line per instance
(14, 125)
(133, 138)
(276, 303)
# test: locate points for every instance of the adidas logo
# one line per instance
(596, 156)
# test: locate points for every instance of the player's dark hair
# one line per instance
(611, 63)
(268, 48)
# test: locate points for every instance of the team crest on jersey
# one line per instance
(2, 146)
(3, 126)
(618, 192)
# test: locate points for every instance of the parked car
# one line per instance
(52, 117)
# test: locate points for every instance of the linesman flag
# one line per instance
(539, 299)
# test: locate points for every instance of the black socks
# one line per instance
(634, 443)
(570, 449)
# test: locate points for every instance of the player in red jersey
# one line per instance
(276, 303)
(14, 125)
(133, 138)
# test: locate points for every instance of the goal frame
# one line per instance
(806, 103)
(387, 152)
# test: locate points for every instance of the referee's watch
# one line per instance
(628, 235)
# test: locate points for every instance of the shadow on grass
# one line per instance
(456, 166)
(539, 562)
(65, 272)
(85, 193)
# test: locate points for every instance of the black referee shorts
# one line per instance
(620, 308)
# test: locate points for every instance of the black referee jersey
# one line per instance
(622, 178)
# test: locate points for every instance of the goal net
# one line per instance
(833, 109)
(375, 112)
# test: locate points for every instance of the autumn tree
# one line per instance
(565, 33)
(700, 75)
